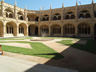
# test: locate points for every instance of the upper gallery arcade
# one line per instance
(79, 20)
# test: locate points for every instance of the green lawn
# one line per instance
(66, 42)
(38, 49)
(90, 46)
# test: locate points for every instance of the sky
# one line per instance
(45, 4)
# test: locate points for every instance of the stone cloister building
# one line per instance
(76, 21)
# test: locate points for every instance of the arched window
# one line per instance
(44, 29)
(20, 16)
(31, 17)
(6, 14)
(33, 30)
(57, 17)
(87, 15)
(36, 19)
(21, 29)
(84, 14)
(9, 12)
(69, 15)
(45, 18)
(9, 29)
(69, 29)
(56, 29)
(83, 29)
(10, 15)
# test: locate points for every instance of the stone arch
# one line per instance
(33, 30)
(37, 19)
(9, 12)
(1, 29)
(11, 28)
(57, 16)
(55, 30)
(69, 29)
(44, 30)
(31, 17)
(84, 29)
(45, 18)
(10, 15)
(23, 29)
(84, 14)
(20, 15)
(69, 15)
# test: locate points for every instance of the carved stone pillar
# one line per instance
(62, 30)
(49, 30)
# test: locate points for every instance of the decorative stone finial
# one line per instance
(15, 3)
(92, 1)
(62, 5)
(40, 8)
(76, 3)
(25, 7)
(50, 6)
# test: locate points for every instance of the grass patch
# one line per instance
(90, 46)
(57, 38)
(66, 42)
(38, 49)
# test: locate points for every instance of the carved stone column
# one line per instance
(49, 30)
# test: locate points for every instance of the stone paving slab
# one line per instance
(8, 64)
(36, 59)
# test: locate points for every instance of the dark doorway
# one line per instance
(33, 30)
(95, 32)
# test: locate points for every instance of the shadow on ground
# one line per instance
(74, 58)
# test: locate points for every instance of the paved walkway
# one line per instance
(8, 64)
(40, 60)
(18, 45)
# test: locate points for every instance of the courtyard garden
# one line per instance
(56, 51)
(37, 49)
(44, 50)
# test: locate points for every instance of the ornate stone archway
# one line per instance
(55, 30)
(1, 29)
(11, 29)
(84, 29)
(44, 30)
(33, 30)
(69, 29)
(23, 29)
